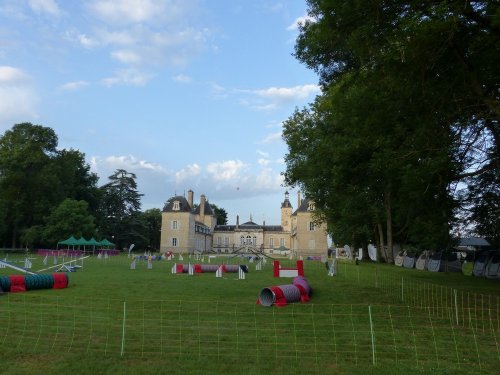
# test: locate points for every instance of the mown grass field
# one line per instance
(371, 318)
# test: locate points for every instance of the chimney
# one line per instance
(202, 205)
(237, 221)
(299, 201)
(190, 198)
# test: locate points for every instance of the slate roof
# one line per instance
(304, 206)
(183, 204)
(208, 209)
(286, 203)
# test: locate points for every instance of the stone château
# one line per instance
(187, 228)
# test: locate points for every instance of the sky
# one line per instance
(186, 94)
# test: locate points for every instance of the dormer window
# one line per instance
(311, 206)
(177, 206)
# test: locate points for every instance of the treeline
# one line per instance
(402, 146)
(47, 194)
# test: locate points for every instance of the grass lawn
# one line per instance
(368, 319)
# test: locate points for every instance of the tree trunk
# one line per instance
(14, 236)
(381, 245)
(387, 202)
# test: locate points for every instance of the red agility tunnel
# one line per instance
(60, 280)
(17, 283)
(283, 294)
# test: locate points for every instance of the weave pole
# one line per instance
(373, 337)
(123, 328)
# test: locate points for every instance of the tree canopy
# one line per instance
(409, 109)
(120, 208)
(70, 218)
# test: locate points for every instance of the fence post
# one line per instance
(456, 304)
(373, 337)
(123, 327)
(402, 289)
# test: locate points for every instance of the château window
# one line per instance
(242, 240)
(174, 241)
(312, 226)
(249, 240)
(271, 242)
(311, 206)
(177, 206)
(312, 244)
(282, 242)
(254, 241)
(175, 224)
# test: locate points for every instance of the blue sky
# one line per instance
(186, 94)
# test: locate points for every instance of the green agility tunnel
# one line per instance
(22, 283)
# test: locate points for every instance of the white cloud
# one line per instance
(142, 35)
(74, 86)
(217, 91)
(265, 107)
(272, 98)
(11, 75)
(86, 41)
(45, 6)
(269, 179)
(127, 57)
(222, 182)
(127, 11)
(187, 172)
(81, 39)
(263, 153)
(149, 33)
(130, 163)
(226, 170)
(182, 78)
(18, 99)
(300, 21)
(263, 161)
(152, 179)
(127, 77)
(272, 137)
(289, 93)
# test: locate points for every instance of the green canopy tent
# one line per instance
(105, 242)
(71, 241)
(93, 242)
(82, 242)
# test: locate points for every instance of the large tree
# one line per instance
(76, 180)
(26, 187)
(152, 226)
(410, 107)
(69, 218)
(120, 209)
(35, 178)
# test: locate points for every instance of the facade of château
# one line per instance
(189, 229)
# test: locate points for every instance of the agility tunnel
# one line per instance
(298, 291)
(22, 283)
(206, 268)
